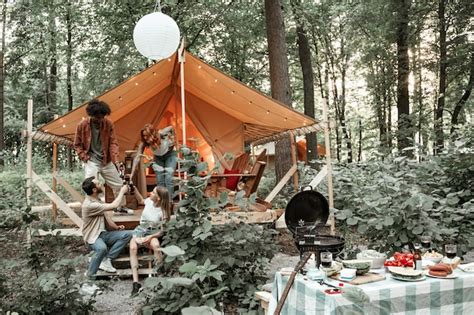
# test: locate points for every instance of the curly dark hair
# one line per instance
(97, 108)
(88, 185)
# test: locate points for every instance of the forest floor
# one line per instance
(116, 298)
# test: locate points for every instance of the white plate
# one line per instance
(408, 279)
(469, 268)
(451, 276)
(404, 271)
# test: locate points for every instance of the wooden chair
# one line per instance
(262, 157)
(250, 180)
(241, 162)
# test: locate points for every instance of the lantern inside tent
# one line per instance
(156, 36)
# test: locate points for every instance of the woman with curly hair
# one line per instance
(162, 143)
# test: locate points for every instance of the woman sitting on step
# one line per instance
(157, 209)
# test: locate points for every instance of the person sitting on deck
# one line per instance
(100, 233)
(158, 208)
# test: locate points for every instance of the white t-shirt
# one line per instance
(151, 215)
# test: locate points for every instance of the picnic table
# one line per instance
(389, 296)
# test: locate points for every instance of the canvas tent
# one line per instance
(221, 113)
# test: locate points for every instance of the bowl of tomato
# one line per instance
(400, 260)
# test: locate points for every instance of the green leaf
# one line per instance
(152, 282)
(207, 226)
(180, 281)
(197, 231)
(189, 267)
(217, 275)
(388, 221)
(403, 237)
(362, 228)
(352, 221)
(212, 293)
(223, 197)
(172, 250)
(417, 229)
(200, 310)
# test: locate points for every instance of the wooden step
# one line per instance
(126, 272)
(146, 257)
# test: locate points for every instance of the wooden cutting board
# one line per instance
(366, 278)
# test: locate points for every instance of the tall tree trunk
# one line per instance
(53, 68)
(385, 93)
(342, 116)
(439, 134)
(403, 67)
(304, 54)
(467, 92)
(388, 110)
(69, 73)
(359, 155)
(418, 94)
(279, 77)
(2, 85)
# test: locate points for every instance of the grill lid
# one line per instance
(308, 207)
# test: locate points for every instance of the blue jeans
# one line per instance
(164, 168)
(116, 240)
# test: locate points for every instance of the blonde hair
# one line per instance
(165, 202)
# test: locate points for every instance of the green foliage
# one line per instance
(220, 266)
(40, 275)
(394, 202)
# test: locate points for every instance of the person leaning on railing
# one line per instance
(162, 143)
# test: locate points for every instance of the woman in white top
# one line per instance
(157, 209)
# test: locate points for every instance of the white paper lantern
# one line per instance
(156, 36)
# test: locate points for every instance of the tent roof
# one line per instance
(133, 101)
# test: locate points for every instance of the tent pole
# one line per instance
(182, 60)
(328, 164)
(54, 208)
(29, 152)
(293, 159)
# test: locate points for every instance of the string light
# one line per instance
(136, 83)
(169, 59)
(249, 101)
(154, 73)
(64, 126)
(120, 98)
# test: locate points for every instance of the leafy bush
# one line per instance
(394, 202)
(220, 266)
(36, 276)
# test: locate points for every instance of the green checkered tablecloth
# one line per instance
(431, 296)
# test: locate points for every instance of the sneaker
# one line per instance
(89, 289)
(137, 288)
(106, 265)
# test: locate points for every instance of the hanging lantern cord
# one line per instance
(157, 5)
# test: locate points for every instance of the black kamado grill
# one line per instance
(306, 215)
